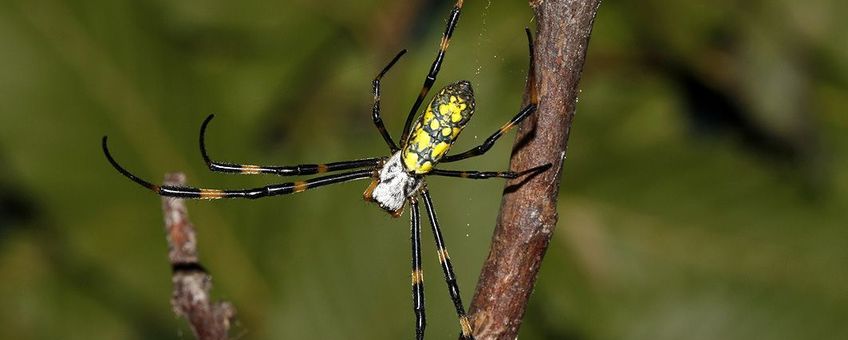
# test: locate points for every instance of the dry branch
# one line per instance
(528, 212)
(190, 298)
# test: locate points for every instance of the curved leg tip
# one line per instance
(208, 119)
(126, 172)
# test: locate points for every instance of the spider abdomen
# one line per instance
(438, 127)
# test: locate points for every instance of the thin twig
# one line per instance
(528, 213)
(190, 298)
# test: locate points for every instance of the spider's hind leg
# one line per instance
(417, 273)
(447, 268)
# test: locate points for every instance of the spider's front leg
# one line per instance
(290, 170)
(524, 113)
(252, 193)
(474, 174)
(453, 19)
(375, 110)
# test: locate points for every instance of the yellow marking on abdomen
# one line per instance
(425, 167)
(438, 127)
(422, 140)
(410, 160)
(439, 150)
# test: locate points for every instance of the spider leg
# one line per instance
(417, 273)
(473, 174)
(447, 268)
(378, 121)
(266, 191)
(489, 142)
(294, 170)
(453, 18)
(524, 113)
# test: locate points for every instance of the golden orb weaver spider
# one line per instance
(396, 179)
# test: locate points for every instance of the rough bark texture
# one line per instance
(190, 297)
(528, 211)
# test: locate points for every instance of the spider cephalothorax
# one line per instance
(396, 179)
(393, 185)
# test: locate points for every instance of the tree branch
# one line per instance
(190, 298)
(528, 211)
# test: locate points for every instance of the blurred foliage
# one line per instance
(704, 194)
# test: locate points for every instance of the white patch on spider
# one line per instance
(394, 185)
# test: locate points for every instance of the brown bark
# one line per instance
(528, 213)
(190, 298)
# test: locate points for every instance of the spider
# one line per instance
(396, 179)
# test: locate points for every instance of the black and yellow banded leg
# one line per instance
(447, 268)
(266, 191)
(453, 19)
(417, 273)
(375, 110)
(293, 170)
(473, 174)
(489, 142)
(524, 113)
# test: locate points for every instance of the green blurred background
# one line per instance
(704, 195)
